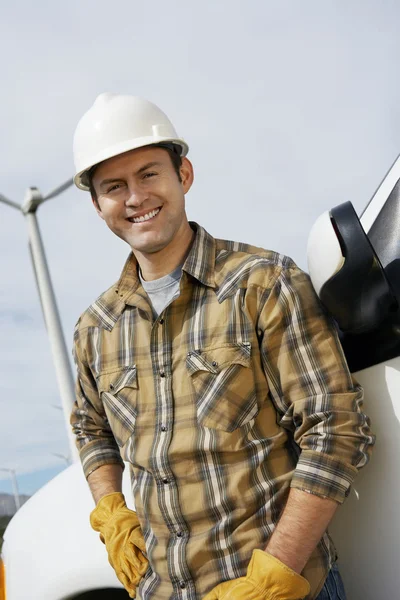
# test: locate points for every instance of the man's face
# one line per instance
(141, 198)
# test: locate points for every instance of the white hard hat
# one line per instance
(115, 124)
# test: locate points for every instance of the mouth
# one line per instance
(150, 216)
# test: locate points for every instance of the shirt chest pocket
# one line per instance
(118, 391)
(224, 387)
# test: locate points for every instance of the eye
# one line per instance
(148, 175)
(114, 187)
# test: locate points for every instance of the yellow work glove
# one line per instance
(267, 579)
(120, 531)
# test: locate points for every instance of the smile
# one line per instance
(145, 217)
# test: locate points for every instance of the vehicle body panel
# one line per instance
(366, 529)
(50, 551)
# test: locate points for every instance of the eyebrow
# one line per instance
(138, 172)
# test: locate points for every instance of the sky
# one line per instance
(289, 109)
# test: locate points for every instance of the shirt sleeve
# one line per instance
(313, 391)
(94, 438)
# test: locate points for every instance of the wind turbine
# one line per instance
(33, 199)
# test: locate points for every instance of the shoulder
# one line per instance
(103, 312)
(244, 265)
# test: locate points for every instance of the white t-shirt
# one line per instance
(161, 291)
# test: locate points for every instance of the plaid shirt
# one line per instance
(236, 392)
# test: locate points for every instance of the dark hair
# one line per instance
(174, 154)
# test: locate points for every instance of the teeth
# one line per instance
(146, 217)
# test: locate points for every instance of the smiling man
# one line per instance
(211, 369)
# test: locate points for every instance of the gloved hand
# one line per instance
(267, 579)
(120, 531)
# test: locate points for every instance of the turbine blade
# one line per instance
(59, 189)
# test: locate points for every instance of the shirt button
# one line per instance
(182, 585)
(165, 481)
(162, 374)
(179, 534)
(163, 428)
(161, 321)
(214, 363)
(189, 354)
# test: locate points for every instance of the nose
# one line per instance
(136, 195)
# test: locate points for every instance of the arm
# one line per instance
(107, 479)
(94, 438)
(320, 404)
(316, 399)
(118, 526)
(300, 528)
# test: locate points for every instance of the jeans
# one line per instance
(333, 587)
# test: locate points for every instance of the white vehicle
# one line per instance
(50, 551)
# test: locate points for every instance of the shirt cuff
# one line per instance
(97, 453)
(323, 476)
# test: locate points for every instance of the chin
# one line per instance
(149, 247)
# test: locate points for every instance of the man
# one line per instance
(212, 370)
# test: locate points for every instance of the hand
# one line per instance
(120, 532)
(267, 578)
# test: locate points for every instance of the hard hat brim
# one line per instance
(81, 178)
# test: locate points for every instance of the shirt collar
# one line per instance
(199, 263)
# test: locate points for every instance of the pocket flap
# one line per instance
(114, 381)
(216, 358)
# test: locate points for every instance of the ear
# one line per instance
(187, 174)
(97, 207)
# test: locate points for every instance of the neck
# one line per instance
(157, 264)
